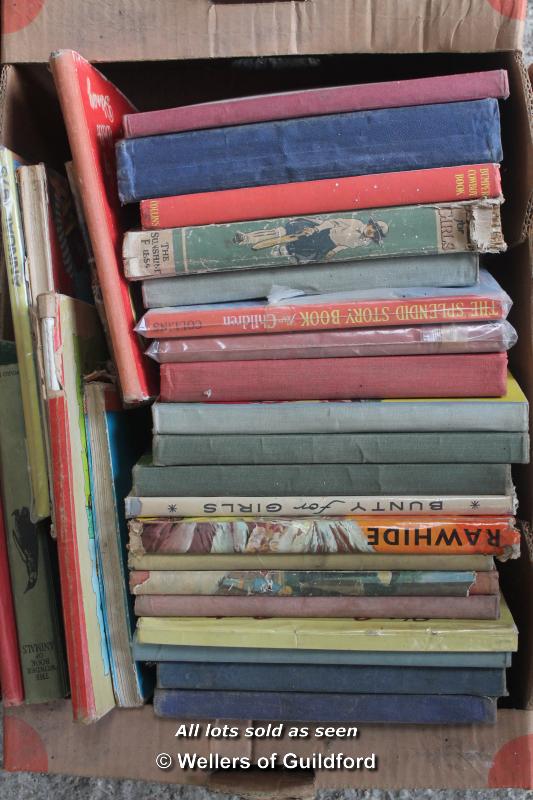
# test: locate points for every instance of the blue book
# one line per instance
(335, 145)
(321, 677)
(412, 709)
(254, 655)
(114, 438)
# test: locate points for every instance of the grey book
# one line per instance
(459, 269)
(254, 655)
(507, 413)
(342, 448)
(318, 479)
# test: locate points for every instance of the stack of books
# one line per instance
(330, 473)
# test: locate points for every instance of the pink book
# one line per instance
(164, 605)
(314, 102)
(333, 379)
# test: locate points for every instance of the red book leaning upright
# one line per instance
(93, 109)
(10, 674)
(413, 187)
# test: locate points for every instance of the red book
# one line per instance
(10, 674)
(313, 102)
(365, 309)
(481, 375)
(438, 185)
(93, 109)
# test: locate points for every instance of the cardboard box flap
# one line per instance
(133, 30)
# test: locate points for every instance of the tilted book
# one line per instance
(374, 679)
(74, 346)
(349, 634)
(413, 709)
(168, 605)
(29, 548)
(16, 265)
(467, 374)
(314, 583)
(421, 186)
(454, 269)
(429, 535)
(256, 480)
(362, 309)
(474, 337)
(329, 146)
(507, 413)
(324, 100)
(93, 109)
(321, 238)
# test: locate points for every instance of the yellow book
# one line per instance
(14, 254)
(431, 635)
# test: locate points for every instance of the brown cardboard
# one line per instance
(125, 743)
(134, 30)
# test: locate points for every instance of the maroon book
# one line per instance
(314, 102)
(479, 375)
(164, 605)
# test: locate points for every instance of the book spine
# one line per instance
(471, 375)
(14, 254)
(430, 535)
(330, 707)
(475, 607)
(285, 241)
(341, 448)
(317, 506)
(307, 583)
(10, 670)
(456, 269)
(310, 102)
(313, 479)
(36, 613)
(314, 677)
(387, 140)
(325, 561)
(447, 339)
(424, 186)
(93, 109)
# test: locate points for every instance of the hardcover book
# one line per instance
(327, 100)
(253, 480)
(344, 634)
(74, 346)
(467, 374)
(507, 413)
(315, 239)
(386, 140)
(362, 309)
(16, 265)
(29, 545)
(374, 679)
(430, 535)
(454, 269)
(256, 655)
(93, 109)
(314, 583)
(475, 337)
(341, 448)
(324, 561)
(421, 186)
(413, 709)
(475, 607)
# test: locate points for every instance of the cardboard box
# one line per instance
(136, 30)
(125, 743)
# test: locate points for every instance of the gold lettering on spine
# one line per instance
(459, 184)
(472, 183)
(154, 212)
(485, 181)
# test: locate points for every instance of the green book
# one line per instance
(32, 576)
(315, 239)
